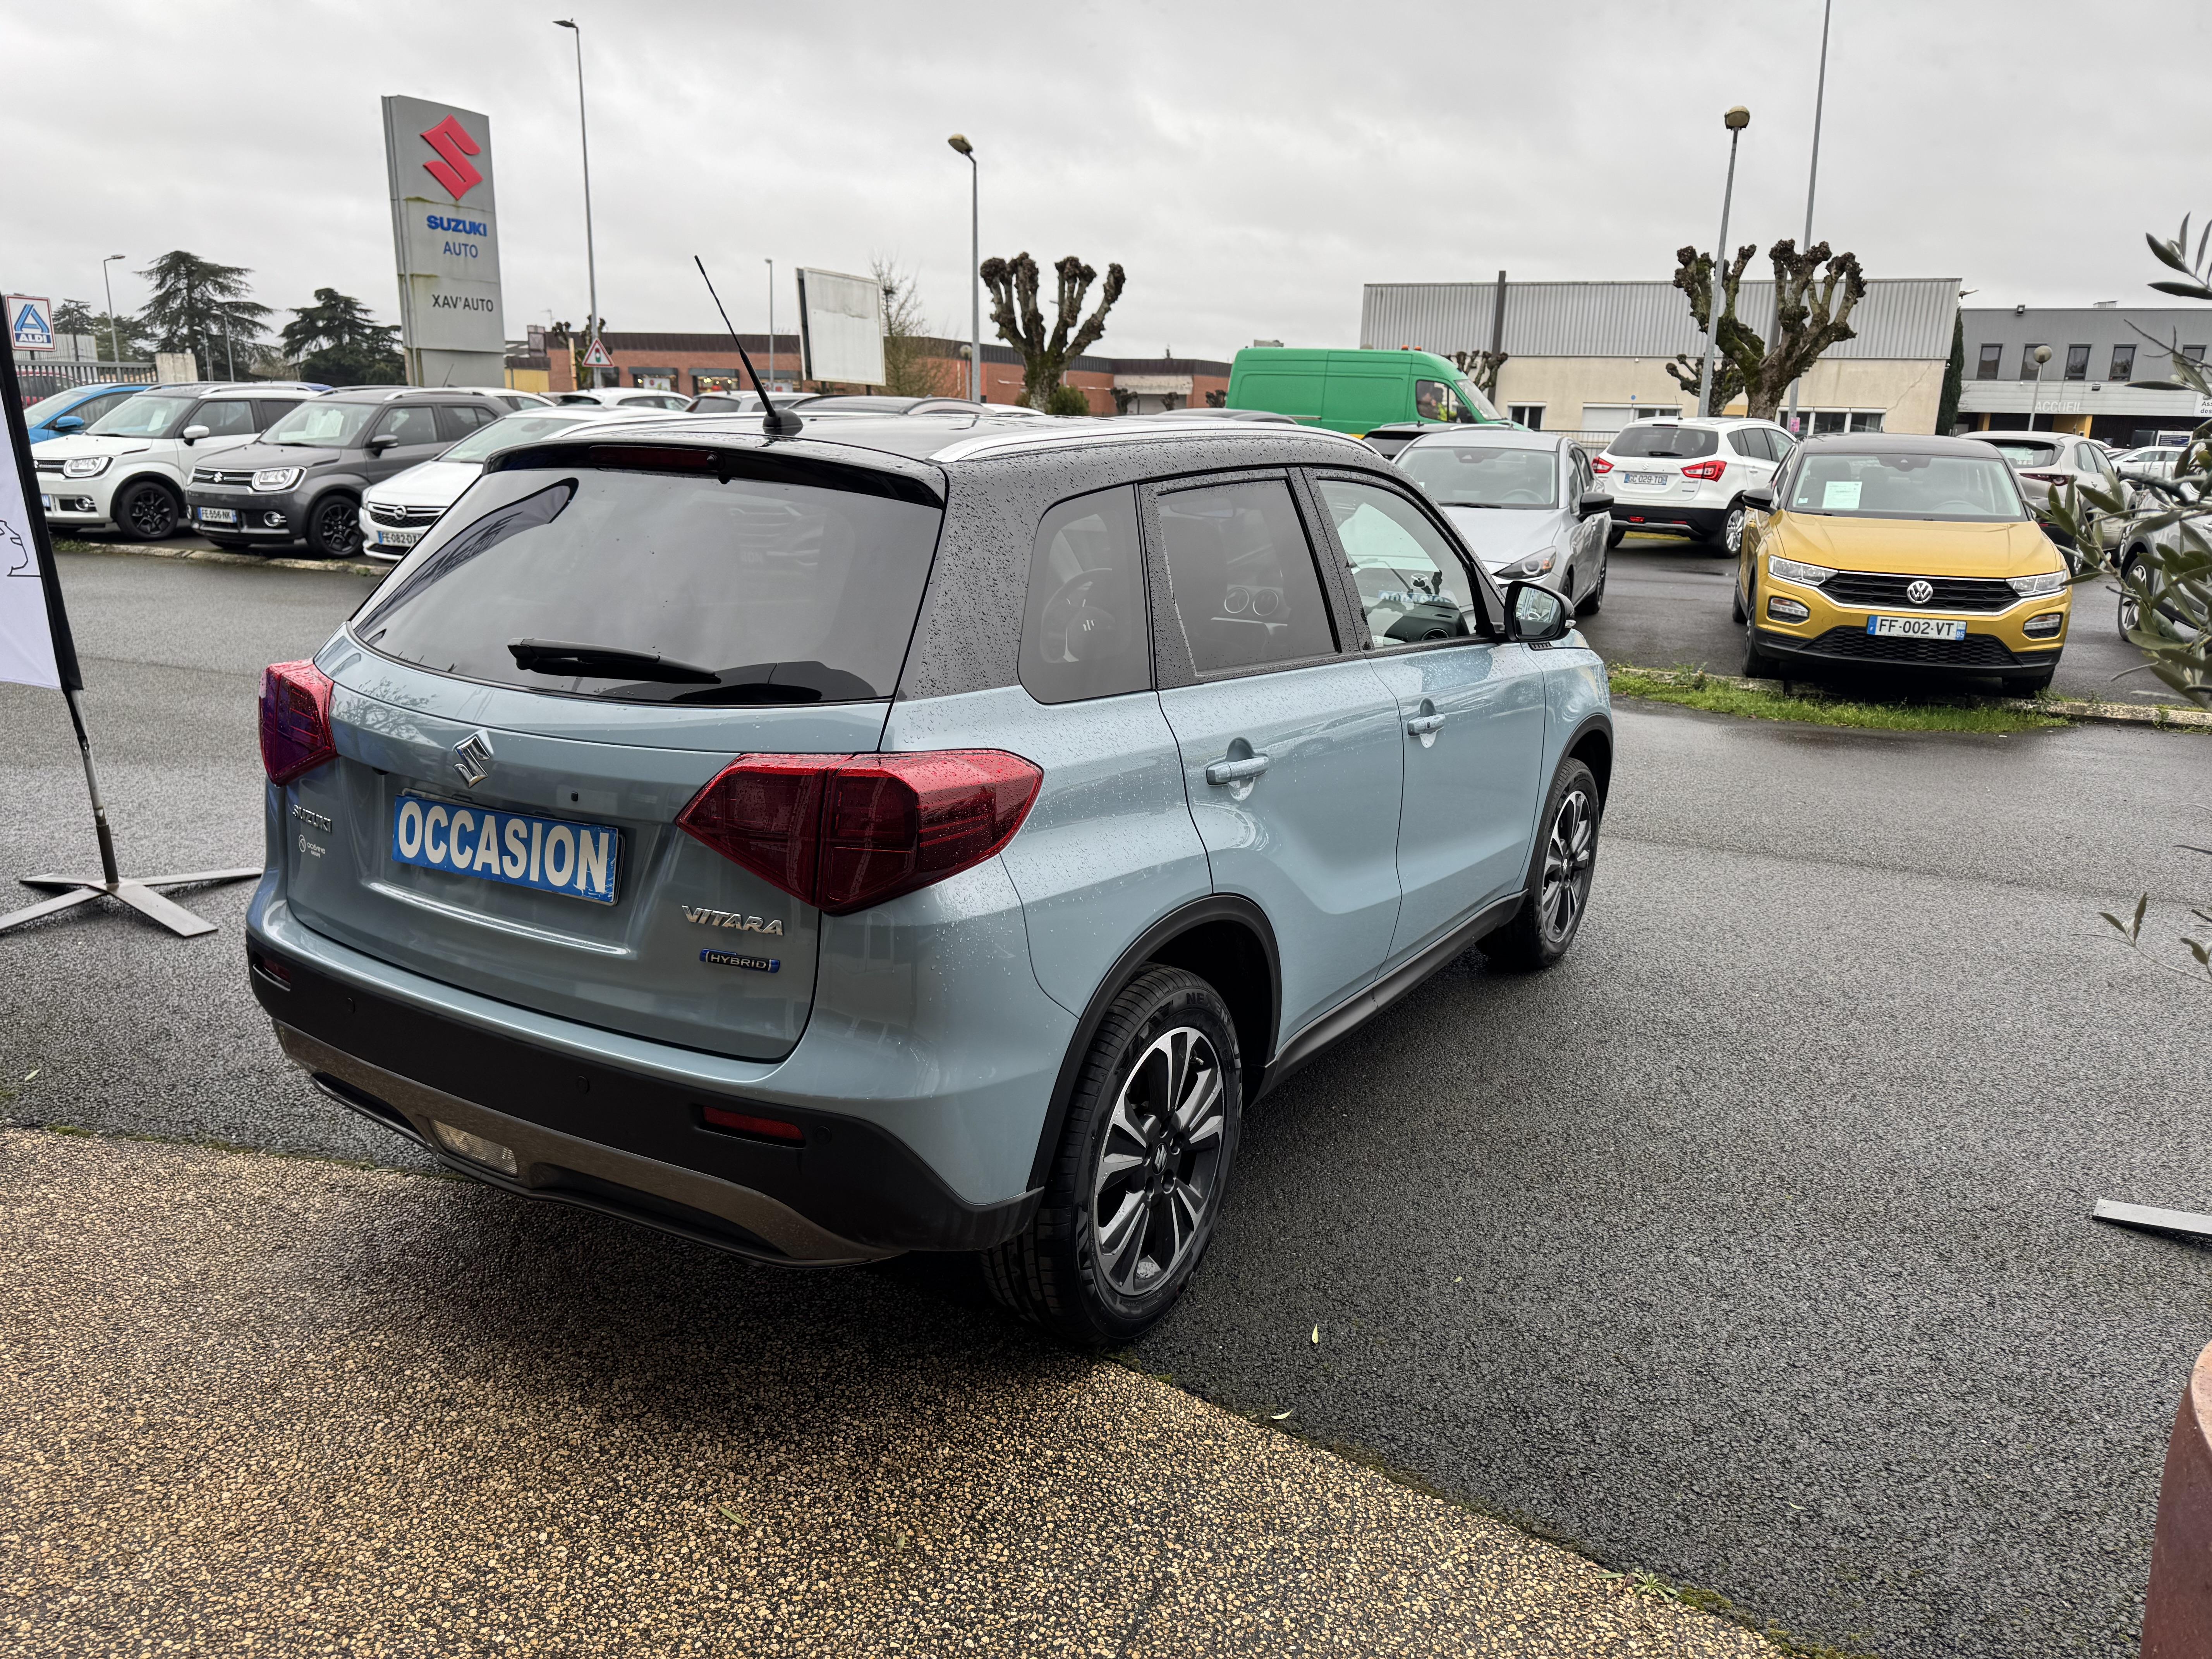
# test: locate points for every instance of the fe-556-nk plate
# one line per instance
(1915, 627)
(580, 861)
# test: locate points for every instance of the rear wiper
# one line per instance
(596, 661)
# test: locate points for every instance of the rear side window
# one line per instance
(1241, 572)
(459, 420)
(1082, 629)
(270, 411)
(414, 425)
(774, 587)
(1751, 442)
(1672, 443)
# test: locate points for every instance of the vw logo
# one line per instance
(473, 758)
(1920, 589)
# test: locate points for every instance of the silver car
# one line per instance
(2049, 461)
(1526, 503)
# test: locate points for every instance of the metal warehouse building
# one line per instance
(1591, 356)
(2110, 375)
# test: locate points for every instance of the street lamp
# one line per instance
(2042, 356)
(974, 262)
(1813, 176)
(770, 264)
(114, 350)
(1735, 120)
(591, 259)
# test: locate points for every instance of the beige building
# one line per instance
(1590, 357)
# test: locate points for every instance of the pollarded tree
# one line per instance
(1013, 284)
(1812, 312)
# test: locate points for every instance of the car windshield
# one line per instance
(509, 431)
(2024, 451)
(1483, 475)
(322, 425)
(790, 582)
(1906, 486)
(143, 416)
(1658, 442)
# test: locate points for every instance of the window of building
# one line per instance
(1992, 358)
(1830, 422)
(2077, 362)
(2028, 364)
(2124, 363)
(658, 379)
(1529, 415)
(2195, 354)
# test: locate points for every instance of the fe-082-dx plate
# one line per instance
(579, 861)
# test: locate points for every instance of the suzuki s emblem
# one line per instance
(1920, 589)
(454, 147)
(473, 758)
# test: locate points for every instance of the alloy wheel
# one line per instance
(153, 514)
(1569, 852)
(337, 530)
(1159, 1167)
(1732, 531)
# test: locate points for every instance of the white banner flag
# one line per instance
(27, 639)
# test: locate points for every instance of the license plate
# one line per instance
(1644, 478)
(397, 537)
(217, 515)
(553, 855)
(1915, 627)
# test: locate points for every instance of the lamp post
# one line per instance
(583, 134)
(1813, 176)
(975, 263)
(114, 350)
(1735, 120)
(2042, 356)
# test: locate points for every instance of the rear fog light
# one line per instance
(760, 1129)
(269, 968)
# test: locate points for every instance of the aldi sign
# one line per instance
(445, 234)
(30, 323)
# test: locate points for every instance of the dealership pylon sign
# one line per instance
(445, 234)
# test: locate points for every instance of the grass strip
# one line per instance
(1722, 697)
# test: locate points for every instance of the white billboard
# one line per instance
(841, 327)
(445, 232)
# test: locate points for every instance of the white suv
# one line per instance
(1687, 477)
(129, 471)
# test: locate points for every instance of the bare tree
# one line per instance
(910, 370)
(1812, 312)
(1013, 284)
(1481, 368)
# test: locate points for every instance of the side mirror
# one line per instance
(69, 423)
(1534, 615)
(1759, 500)
(383, 440)
(1594, 503)
(192, 435)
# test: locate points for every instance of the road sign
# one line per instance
(30, 323)
(597, 356)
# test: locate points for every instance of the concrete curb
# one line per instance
(216, 555)
(2177, 1615)
(2164, 715)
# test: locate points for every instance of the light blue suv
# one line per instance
(920, 834)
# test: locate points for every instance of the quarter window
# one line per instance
(1749, 441)
(1083, 628)
(1992, 358)
(1413, 587)
(1242, 574)
(417, 424)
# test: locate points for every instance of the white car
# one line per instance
(129, 473)
(1525, 503)
(624, 397)
(394, 514)
(1687, 477)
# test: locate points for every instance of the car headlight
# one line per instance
(278, 478)
(1535, 565)
(1788, 570)
(2050, 582)
(85, 466)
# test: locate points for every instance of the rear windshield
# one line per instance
(143, 416)
(2023, 452)
(1668, 443)
(667, 587)
(1893, 486)
(1483, 475)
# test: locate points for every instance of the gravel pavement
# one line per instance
(1749, 1247)
(277, 1405)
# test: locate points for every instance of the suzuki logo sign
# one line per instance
(454, 147)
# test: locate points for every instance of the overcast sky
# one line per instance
(1249, 165)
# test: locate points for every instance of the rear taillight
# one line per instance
(295, 719)
(1600, 465)
(842, 832)
(1708, 471)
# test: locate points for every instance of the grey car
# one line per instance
(931, 833)
(1526, 503)
(301, 481)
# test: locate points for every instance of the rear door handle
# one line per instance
(1236, 771)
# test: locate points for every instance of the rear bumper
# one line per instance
(598, 1134)
(1668, 517)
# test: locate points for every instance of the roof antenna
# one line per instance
(775, 423)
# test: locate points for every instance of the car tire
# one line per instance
(2129, 614)
(1736, 611)
(1560, 868)
(334, 528)
(1592, 601)
(1613, 536)
(1728, 538)
(146, 512)
(1150, 1139)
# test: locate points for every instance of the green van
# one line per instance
(1354, 392)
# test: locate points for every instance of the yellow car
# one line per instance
(1898, 551)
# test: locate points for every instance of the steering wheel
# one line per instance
(1073, 629)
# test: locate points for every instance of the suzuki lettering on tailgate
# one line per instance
(581, 860)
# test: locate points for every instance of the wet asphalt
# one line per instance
(1749, 1247)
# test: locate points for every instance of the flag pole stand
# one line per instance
(138, 892)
